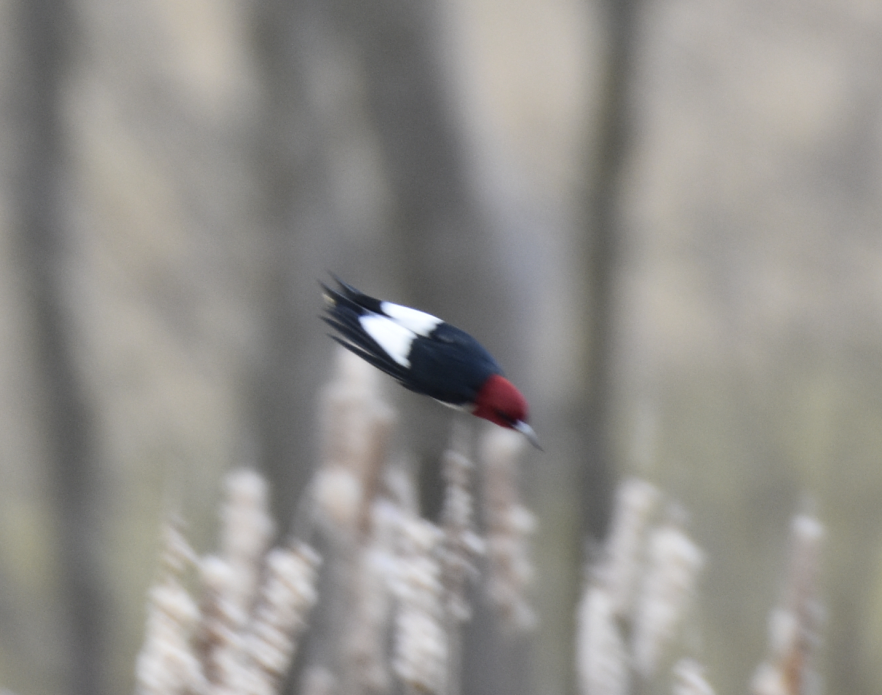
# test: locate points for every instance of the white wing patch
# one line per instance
(395, 338)
(418, 322)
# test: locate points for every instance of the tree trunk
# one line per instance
(67, 426)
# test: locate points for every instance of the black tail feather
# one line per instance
(357, 297)
(384, 365)
(343, 311)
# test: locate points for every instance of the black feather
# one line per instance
(343, 314)
(448, 364)
(357, 297)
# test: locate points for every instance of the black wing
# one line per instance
(447, 364)
(342, 312)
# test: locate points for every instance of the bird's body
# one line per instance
(426, 355)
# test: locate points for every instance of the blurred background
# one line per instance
(663, 217)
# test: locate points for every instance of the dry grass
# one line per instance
(636, 596)
(241, 635)
(394, 589)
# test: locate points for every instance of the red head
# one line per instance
(502, 404)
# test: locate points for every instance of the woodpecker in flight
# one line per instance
(426, 355)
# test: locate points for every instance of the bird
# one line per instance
(426, 355)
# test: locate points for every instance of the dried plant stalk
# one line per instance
(246, 532)
(462, 546)
(356, 425)
(674, 563)
(366, 649)
(220, 621)
(794, 627)
(241, 637)
(286, 596)
(421, 648)
(636, 500)
(510, 526)
(167, 665)
(230, 580)
(624, 624)
(602, 659)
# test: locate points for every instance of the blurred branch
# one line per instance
(67, 427)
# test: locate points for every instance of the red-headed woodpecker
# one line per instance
(426, 355)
